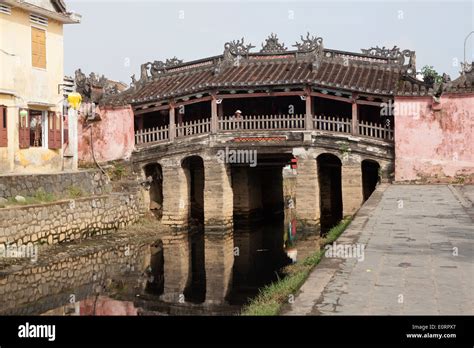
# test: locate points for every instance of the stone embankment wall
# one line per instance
(89, 182)
(69, 219)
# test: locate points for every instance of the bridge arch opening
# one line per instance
(154, 176)
(370, 177)
(193, 167)
(330, 191)
(259, 224)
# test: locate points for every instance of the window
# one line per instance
(38, 48)
(39, 19)
(36, 128)
(3, 127)
(5, 9)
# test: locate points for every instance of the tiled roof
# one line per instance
(376, 71)
(409, 86)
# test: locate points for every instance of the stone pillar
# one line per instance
(219, 243)
(355, 118)
(352, 189)
(175, 196)
(309, 112)
(72, 149)
(176, 248)
(172, 123)
(307, 195)
(214, 117)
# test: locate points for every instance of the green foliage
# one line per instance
(430, 75)
(272, 297)
(344, 148)
(42, 196)
(75, 192)
(118, 172)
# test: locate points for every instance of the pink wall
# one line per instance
(113, 136)
(434, 142)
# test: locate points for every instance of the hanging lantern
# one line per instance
(294, 163)
(74, 100)
(23, 118)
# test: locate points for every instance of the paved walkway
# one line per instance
(418, 259)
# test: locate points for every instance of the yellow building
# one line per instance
(31, 81)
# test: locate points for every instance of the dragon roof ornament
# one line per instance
(94, 87)
(310, 43)
(405, 58)
(154, 69)
(272, 45)
(237, 48)
(234, 51)
(310, 48)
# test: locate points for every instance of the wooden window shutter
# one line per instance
(24, 135)
(58, 117)
(66, 131)
(3, 127)
(54, 130)
(51, 134)
(38, 48)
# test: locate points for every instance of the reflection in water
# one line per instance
(261, 256)
(98, 305)
(111, 286)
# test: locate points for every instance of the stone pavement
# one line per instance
(418, 259)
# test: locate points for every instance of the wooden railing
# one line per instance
(332, 124)
(262, 122)
(193, 127)
(375, 130)
(323, 123)
(151, 135)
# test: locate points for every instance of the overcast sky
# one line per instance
(116, 37)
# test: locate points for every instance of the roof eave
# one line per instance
(65, 18)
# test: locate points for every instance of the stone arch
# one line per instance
(329, 168)
(370, 177)
(154, 182)
(193, 167)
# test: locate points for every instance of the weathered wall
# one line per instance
(18, 74)
(88, 182)
(69, 220)
(434, 144)
(113, 136)
(24, 86)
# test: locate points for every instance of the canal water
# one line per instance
(114, 286)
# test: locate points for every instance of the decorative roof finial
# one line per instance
(272, 45)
